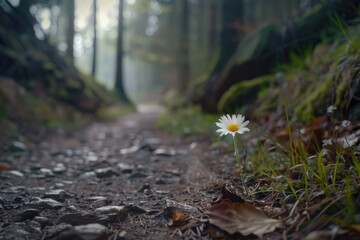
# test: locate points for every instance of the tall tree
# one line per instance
(70, 8)
(184, 42)
(93, 67)
(232, 13)
(119, 81)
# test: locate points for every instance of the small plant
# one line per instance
(233, 125)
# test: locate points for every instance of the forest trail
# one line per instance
(126, 177)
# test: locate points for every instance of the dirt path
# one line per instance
(123, 180)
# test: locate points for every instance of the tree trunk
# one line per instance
(184, 46)
(232, 13)
(119, 81)
(70, 5)
(93, 67)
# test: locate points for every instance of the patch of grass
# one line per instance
(189, 121)
(299, 60)
(110, 113)
(314, 183)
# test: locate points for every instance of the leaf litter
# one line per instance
(242, 218)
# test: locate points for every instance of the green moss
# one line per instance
(347, 80)
(49, 65)
(29, 101)
(63, 93)
(244, 93)
(58, 74)
(312, 81)
(52, 84)
(88, 93)
(341, 91)
(73, 84)
(314, 100)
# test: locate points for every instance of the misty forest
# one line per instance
(179, 119)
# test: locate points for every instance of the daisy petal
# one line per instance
(226, 125)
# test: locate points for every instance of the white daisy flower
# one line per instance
(232, 125)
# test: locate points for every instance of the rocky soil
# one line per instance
(119, 180)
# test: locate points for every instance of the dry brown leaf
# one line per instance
(175, 216)
(178, 216)
(5, 167)
(235, 217)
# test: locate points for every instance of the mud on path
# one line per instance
(119, 180)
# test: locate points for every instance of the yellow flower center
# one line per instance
(233, 127)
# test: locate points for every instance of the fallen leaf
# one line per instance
(5, 167)
(175, 216)
(178, 216)
(235, 217)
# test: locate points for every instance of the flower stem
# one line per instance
(237, 155)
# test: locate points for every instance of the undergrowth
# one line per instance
(298, 167)
(189, 121)
(311, 171)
